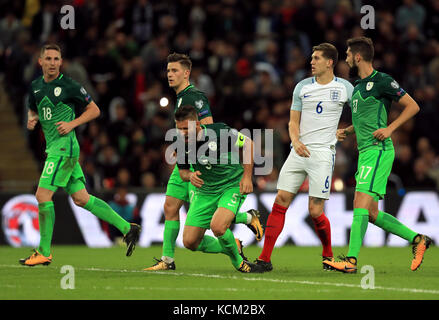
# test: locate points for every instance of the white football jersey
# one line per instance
(321, 107)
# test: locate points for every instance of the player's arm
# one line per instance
(207, 120)
(393, 91)
(91, 112)
(246, 145)
(341, 134)
(32, 119)
(410, 109)
(32, 111)
(192, 177)
(293, 129)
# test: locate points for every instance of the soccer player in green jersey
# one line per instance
(221, 182)
(54, 101)
(371, 100)
(178, 191)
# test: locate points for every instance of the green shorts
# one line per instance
(374, 167)
(178, 188)
(62, 172)
(204, 206)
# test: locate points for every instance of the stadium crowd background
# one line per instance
(247, 57)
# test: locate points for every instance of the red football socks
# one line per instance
(275, 224)
(323, 230)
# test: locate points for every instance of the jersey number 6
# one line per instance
(319, 107)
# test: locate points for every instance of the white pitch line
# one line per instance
(216, 276)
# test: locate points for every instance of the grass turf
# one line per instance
(297, 274)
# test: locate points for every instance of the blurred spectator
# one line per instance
(408, 13)
(420, 178)
(125, 208)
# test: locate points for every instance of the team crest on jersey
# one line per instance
(369, 86)
(335, 95)
(212, 145)
(57, 91)
(199, 104)
(394, 84)
(179, 102)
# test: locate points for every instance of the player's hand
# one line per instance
(31, 123)
(382, 134)
(64, 127)
(195, 180)
(341, 134)
(301, 149)
(246, 185)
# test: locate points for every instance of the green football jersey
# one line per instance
(217, 158)
(371, 101)
(193, 97)
(55, 101)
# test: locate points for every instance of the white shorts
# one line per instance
(318, 167)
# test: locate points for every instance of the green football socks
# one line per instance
(228, 243)
(104, 212)
(210, 244)
(390, 224)
(170, 235)
(241, 217)
(358, 230)
(46, 220)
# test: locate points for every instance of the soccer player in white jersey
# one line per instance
(315, 112)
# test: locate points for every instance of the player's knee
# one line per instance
(283, 199)
(42, 197)
(171, 211)
(190, 244)
(218, 229)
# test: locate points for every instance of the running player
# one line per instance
(55, 100)
(315, 112)
(222, 185)
(178, 191)
(371, 100)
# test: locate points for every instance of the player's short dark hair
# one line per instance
(329, 51)
(50, 46)
(186, 113)
(183, 59)
(363, 46)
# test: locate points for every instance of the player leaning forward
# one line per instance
(371, 100)
(54, 100)
(221, 182)
(178, 191)
(315, 112)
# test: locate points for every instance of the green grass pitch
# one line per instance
(297, 274)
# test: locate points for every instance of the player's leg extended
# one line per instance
(275, 225)
(321, 225)
(172, 227)
(228, 205)
(56, 172)
(390, 224)
(46, 220)
(360, 221)
(104, 212)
